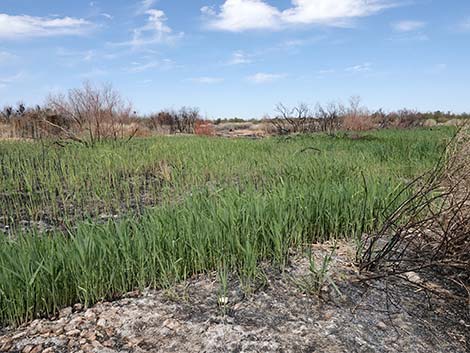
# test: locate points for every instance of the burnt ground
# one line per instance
(277, 316)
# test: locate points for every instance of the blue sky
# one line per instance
(240, 57)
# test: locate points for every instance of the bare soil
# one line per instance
(277, 316)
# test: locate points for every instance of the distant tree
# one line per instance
(7, 113)
(93, 113)
(186, 119)
(329, 116)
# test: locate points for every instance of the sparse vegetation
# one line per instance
(318, 276)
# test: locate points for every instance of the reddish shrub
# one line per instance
(353, 122)
(204, 128)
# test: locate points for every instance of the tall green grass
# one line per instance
(215, 201)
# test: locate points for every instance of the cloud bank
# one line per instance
(23, 26)
(243, 15)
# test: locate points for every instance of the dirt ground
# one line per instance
(279, 316)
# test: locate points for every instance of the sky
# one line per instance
(239, 58)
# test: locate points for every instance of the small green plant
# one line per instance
(222, 296)
(319, 276)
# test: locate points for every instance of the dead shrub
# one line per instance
(182, 121)
(329, 117)
(405, 119)
(431, 229)
(163, 122)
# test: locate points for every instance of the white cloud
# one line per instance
(6, 57)
(154, 31)
(410, 37)
(89, 55)
(292, 43)
(145, 5)
(365, 67)
(331, 12)
(23, 26)
(326, 72)
(107, 15)
(6, 81)
(465, 25)
(439, 68)
(207, 80)
(241, 15)
(74, 56)
(93, 73)
(138, 67)
(238, 58)
(208, 11)
(262, 77)
(408, 26)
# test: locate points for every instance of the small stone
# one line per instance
(34, 323)
(37, 349)
(6, 347)
(134, 294)
(87, 347)
(360, 341)
(381, 325)
(61, 321)
(96, 344)
(65, 312)
(89, 315)
(101, 322)
(78, 307)
(73, 333)
(109, 331)
(133, 341)
(413, 277)
(28, 349)
(90, 336)
(4, 340)
(328, 315)
(74, 323)
(171, 324)
(108, 343)
(18, 335)
(43, 329)
(165, 331)
(237, 306)
(48, 350)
